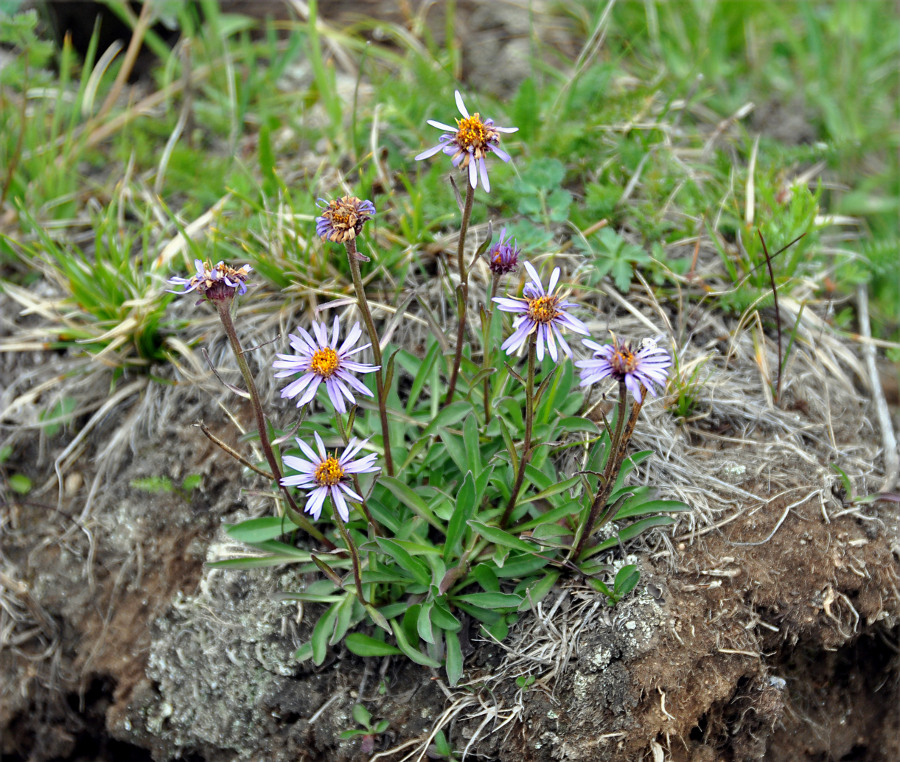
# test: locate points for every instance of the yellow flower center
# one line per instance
(344, 218)
(543, 309)
(623, 360)
(329, 472)
(472, 132)
(324, 362)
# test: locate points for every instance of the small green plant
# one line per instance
(625, 581)
(541, 199)
(157, 485)
(525, 681)
(443, 497)
(24, 69)
(685, 385)
(364, 717)
(59, 416)
(440, 748)
(18, 483)
(614, 256)
(111, 307)
(847, 494)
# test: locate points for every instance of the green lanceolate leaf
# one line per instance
(499, 537)
(651, 506)
(463, 511)
(253, 562)
(413, 653)
(487, 578)
(473, 445)
(454, 661)
(577, 424)
(261, 529)
(389, 372)
(376, 616)
(626, 579)
(328, 571)
(323, 631)
(490, 600)
(456, 449)
(344, 619)
(553, 489)
(421, 375)
(442, 617)
(424, 624)
(536, 591)
(508, 441)
(417, 568)
(629, 533)
(304, 653)
(453, 413)
(411, 500)
(365, 645)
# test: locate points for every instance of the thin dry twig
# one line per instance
(888, 437)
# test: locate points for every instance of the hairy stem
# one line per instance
(486, 350)
(294, 514)
(529, 424)
(345, 435)
(618, 447)
(354, 555)
(463, 291)
(363, 304)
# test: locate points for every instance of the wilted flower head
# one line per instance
(214, 283)
(540, 311)
(503, 256)
(343, 218)
(469, 143)
(328, 475)
(638, 369)
(320, 359)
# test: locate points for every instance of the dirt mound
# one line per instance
(766, 624)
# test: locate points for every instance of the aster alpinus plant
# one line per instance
(218, 285)
(480, 511)
(468, 145)
(342, 221)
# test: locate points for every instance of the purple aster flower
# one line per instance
(638, 369)
(343, 218)
(541, 311)
(328, 475)
(469, 143)
(320, 359)
(503, 256)
(214, 283)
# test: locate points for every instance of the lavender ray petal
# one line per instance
(430, 152)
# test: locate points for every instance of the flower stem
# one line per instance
(463, 291)
(363, 305)
(486, 351)
(618, 446)
(354, 555)
(529, 424)
(293, 512)
(345, 435)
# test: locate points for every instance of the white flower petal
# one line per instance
(554, 279)
(485, 182)
(340, 505)
(441, 125)
(460, 105)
